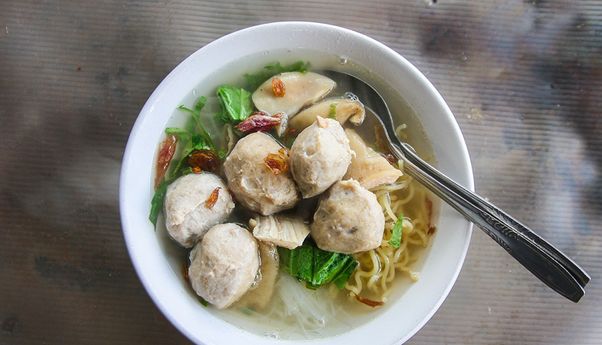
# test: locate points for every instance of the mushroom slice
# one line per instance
(258, 298)
(283, 231)
(302, 89)
(341, 109)
(368, 167)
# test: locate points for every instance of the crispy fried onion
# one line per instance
(277, 162)
(166, 152)
(212, 199)
(278, 87)
(368, 302)
(203, 160)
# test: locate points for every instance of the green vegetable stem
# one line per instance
(157, 202)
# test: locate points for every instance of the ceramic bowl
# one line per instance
(325, 46)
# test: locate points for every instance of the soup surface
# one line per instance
(379, 275)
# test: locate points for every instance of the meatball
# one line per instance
(189, 213)
(224, 265)
(252, 182)
(348, 220)
(319, 156)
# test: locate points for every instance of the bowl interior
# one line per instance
(412, 99)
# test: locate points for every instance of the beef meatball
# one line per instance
(348, 220)
(189, 213)
(224, 265)
(252, 182)
(319, 156)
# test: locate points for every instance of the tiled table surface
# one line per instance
(524, 80)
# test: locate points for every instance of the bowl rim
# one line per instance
(150, 103)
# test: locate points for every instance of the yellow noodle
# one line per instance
(409, 197)
(384, 199)
(378, 268)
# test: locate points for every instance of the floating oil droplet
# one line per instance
(273, 335)
(351, 96)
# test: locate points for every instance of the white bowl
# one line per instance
(323, 45)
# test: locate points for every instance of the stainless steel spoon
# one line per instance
(546, 262)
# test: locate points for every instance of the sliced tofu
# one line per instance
(283, 231)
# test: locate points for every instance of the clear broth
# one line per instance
(350, 313)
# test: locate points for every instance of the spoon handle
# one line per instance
(577, 272)
(543, 260)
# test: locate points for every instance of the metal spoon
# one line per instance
(546, 262)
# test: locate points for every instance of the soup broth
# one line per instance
(294, 311)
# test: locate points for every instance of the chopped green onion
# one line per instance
(182, 134)
(200, 104)
(395, 240)
(332, 111)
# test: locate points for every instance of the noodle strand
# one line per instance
(377, 268)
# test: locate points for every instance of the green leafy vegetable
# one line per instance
(332, 111)
(327, 266)
(196, 142)
(299, 262)
(256, 79)
(200, 104)
(341, 279)
(235, 102)
(246, 310)
(203, 301)
(395, 240)
(157, 202)
(195, 137)
(317, 267)
(186, 171)
(197, 124)
(222, 153)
